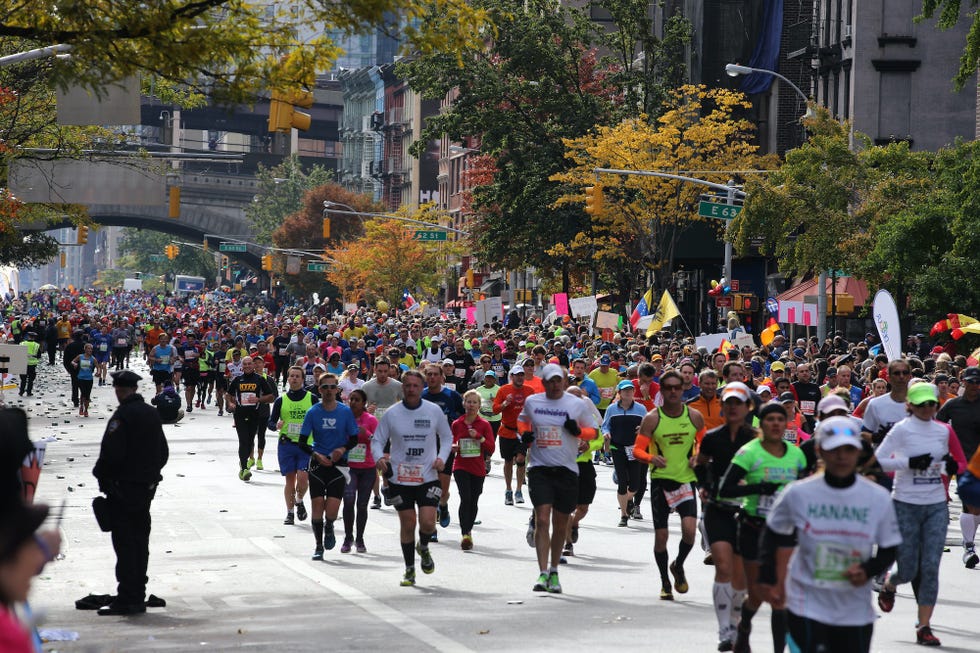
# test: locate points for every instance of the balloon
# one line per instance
(714, 284)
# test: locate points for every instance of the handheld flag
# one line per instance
(666, 311)
(642, 308)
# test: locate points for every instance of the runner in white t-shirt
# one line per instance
(834, 520)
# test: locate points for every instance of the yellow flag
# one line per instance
(666, 310)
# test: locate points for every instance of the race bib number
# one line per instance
(358, 454)
(121, 342)
(222, 367)
(607, 393)
(409, 473)
(309, 379)
(486, 407)
(765, 504)
(103, 346)
(808, 407)
(830, 562)
(379, 411)
(451, 386)
(293, 428)
(248, 399)
(932, 475)
(164, 360)
(789, 435)
(282, 351)
(469, 448)
(548, 436)
(676, 497)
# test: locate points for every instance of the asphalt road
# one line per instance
(234, 577)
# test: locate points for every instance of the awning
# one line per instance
(852, 286)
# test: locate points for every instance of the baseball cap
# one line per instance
(835, 432)
(831, 371)
(830, 403)
(936, 350)
(527, 362)
(550, 371)
(971, 374)
(656, 357)
(625, 385)
(777, 367)
(492, 373)
(736, 390)
(786, 398)
(448, 361)
(764, 389)
(516, 369)
(921, 393)
(799, 353)
(604, 360)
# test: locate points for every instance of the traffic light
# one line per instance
(326, 228)
(593, 200)
(470, 278)
(205, 244)
(64, 260)
(267, 262)
(82, 235)
(283, 115)
(745, 303)
(171, 251)
(174, 206)
(224, 263)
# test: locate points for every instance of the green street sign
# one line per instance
(317, 267)
(430, 235)
(232, 247)
(719, 211)
(157, 258)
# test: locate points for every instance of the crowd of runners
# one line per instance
(811, 475)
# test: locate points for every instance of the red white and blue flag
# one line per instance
(410, 302)
(642, 308)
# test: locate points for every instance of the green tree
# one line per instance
(226, 49)
(141, 244)
(280, 193)
(949, 13)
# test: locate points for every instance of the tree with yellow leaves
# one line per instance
(643, 218)
(387, 259)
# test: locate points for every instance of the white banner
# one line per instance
(711, 341)
(487, 309)
(583, 306)
(886, 319)
(606, 320)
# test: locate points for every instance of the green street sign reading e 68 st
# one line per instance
(232, 247)
(317, 267)
(719, 211)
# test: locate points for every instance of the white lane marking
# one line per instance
(356, 597)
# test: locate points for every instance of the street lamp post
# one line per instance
(734, 70)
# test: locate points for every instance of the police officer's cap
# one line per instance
(126, 379)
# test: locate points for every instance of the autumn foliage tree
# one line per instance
(303, 232)
(635, 236)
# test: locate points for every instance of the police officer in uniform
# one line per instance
(33, 353)
(134, 450)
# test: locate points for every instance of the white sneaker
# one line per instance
(970, 558)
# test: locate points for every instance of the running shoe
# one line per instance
(608, 460)
(190, 409)
(709, 559)
(508, 498)
(318, 554)
(636, 514)
(574, 534)
(542, 584)
(924, 636)
(518, 497)
(886, 598)
(329, 538)
(443, 516)
(466, 543)
(741, 643)
(288, 521)
(251, 463)
(359, 545)
(569, 549)
(665, 593)
(624, 521)
(386, 493)
(346, 546)
(434, 538)
(428, 564)
(220, 412)
(376, 503)
(409, 579)
(554, 587)
(562, 560)
(258, 465)
(245, 475)
(680, 580)
(970, 558)
(726, 639)
(300, 511)
(529, 536)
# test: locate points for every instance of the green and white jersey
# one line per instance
(762, 467)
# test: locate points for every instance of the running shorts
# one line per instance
(554, 486)
(406, 497)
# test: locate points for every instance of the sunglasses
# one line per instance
(670, 387)
(927, 404)
(328, 387)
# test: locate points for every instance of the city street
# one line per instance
(234, 577)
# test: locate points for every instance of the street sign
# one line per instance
(723, 302)
(430, 235)
(720, 211)
(157, 258)
(232, 247)
(317, 267)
